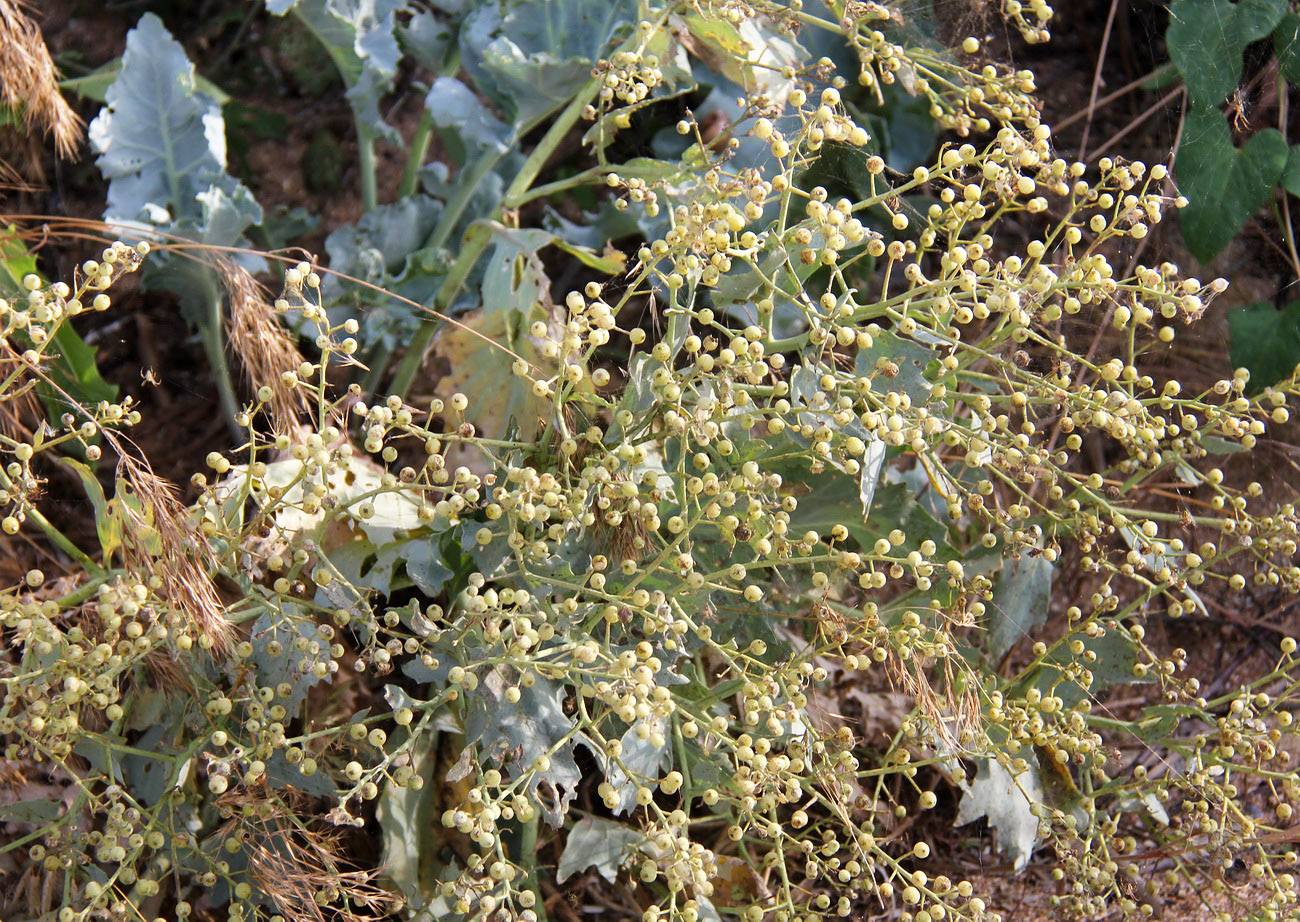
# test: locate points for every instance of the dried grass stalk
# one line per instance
(29, 81)
(298, 866)
(18, 405)
(265, 349)
(180, 560)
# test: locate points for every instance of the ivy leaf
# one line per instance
(1207, 37)
(1007, 800)
(1265, 341)
(1286, 46)
(599, 843)
(1225, 186)
(1020, 600)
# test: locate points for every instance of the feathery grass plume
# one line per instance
(29, 81)
(266, 350)
(163, 545)
(297, 866)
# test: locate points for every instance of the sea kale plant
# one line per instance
(724, 584)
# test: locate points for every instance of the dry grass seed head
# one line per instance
(291, 862)
(29, 81)
(182, 564)
(264, 347)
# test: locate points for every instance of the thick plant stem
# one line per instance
(528, 851)
(476, 240)
(546, 147)
(424, 135)
(366, 158)
(214, 345)
(466, 186)
(415, 159)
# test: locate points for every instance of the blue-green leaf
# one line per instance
(531, 58)
(1020, 599)
(462, 119)
(161, 141)
(599, 843)
(361, 38)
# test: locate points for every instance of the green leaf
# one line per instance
(73, 367)
(1286, 45)
(37, 812)
(1291, 175)
(599, 843)
(407, 824)
(1225, 186)
(1020, 599)
(108, 526)
(1207, 37)
(1265, 341)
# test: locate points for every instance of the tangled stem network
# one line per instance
(854, 439)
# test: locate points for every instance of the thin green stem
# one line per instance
(476, 241)
(415, 158)
(212, 334)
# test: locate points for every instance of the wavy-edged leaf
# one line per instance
(161, 142)
(1020, 599)
(518, 734)
(1007, 800)
(361, 39)
(531, 58)
(639, 762)
(462, 119)
(595, 842)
